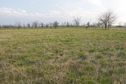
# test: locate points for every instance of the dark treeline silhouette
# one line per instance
(54, 24)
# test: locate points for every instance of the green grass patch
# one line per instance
(62, 56)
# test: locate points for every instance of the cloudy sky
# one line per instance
(25, 11)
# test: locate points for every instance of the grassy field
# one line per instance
(62, 56)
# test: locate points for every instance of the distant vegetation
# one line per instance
(105, 20)
(62, 56)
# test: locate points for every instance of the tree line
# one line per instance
(105, 20)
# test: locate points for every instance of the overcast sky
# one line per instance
(24, 11)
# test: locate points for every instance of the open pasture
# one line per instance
(62, 56)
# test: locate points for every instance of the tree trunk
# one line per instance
(105, 26)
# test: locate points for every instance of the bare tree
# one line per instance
(35, 24)
(28, 25)
(19, 26)
(107, 19)
(42, 25)
(55, 24)
(77, 22)
(47, 25)
(67, 24)
(88, 25)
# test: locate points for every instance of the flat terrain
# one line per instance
(62, 56)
